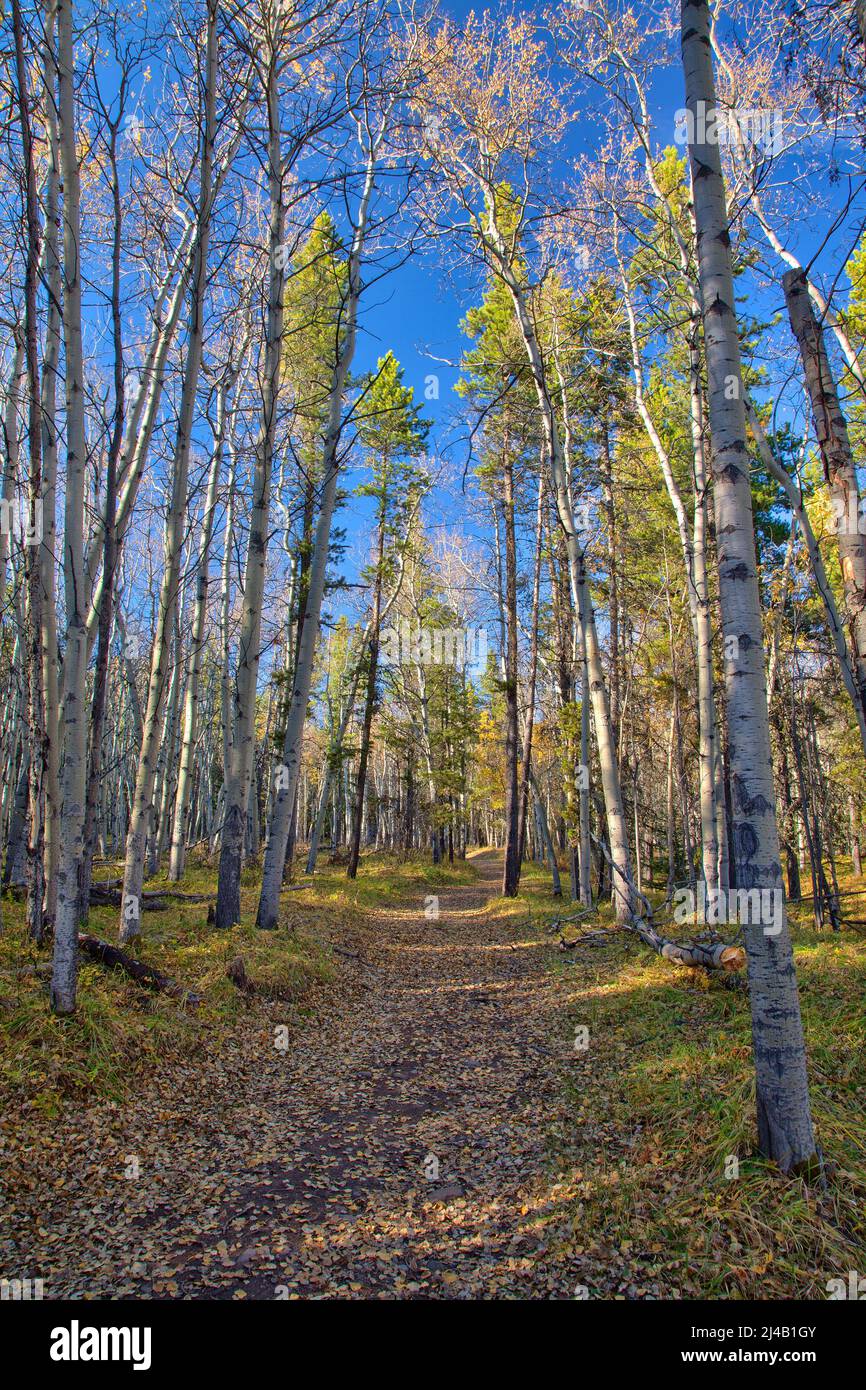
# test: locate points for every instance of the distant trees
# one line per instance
(375, 94)
(483, 128)
(393, 435)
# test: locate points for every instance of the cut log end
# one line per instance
(732, 958)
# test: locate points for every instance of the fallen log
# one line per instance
(112, 897)
(156, 900)
(590, 938)
(114, 958)
(720, 955)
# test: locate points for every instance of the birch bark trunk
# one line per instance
(284, 802)
(109, 551)
(133, 877)
(614, 811)
(784, 1117)
(32, 623)
(177, 857)
(74, 722)
(238, 770)
(48, 540)
(511, 858)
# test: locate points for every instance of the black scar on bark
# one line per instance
(724, 237)
(747, 846)
(731, 473)
(749, 805)
(740, 571)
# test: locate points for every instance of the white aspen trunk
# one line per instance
(133, 877)
(142, 417)
(30, 621)
(614, 811)
(48, 544)
(784, 1117)
(693, 545)
(74, 717)
(238, 770)
(225, 613)
(284, 801)
(11, 772)
(140, 425)
(11, 415)
(710, 849)
(193, 668)
(165, 764)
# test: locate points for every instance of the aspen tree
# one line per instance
(133, 875)
(784, 1116)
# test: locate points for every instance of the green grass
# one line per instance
(121, 1030)
(656, 1107)
(664, 1097)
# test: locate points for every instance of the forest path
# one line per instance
(399, 1148)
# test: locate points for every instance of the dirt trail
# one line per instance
(398, 1149)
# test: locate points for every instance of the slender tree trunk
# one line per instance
(370, 697)
(693, 547)
(847, 662)
(529, 722)
(38, 755)
(511, 859)
(133, 877)
(710, 849)
(241, 752)
(615, 814)
(48, 542)
(177, 855)
(109, 554)
(74, 720)
(275, 855)
(789, 821)
(854, 830)
(784, 1117)
(333, 762)
(831, 432)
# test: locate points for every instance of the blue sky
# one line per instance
(417, 312)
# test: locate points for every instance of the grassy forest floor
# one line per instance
(398, 1108)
